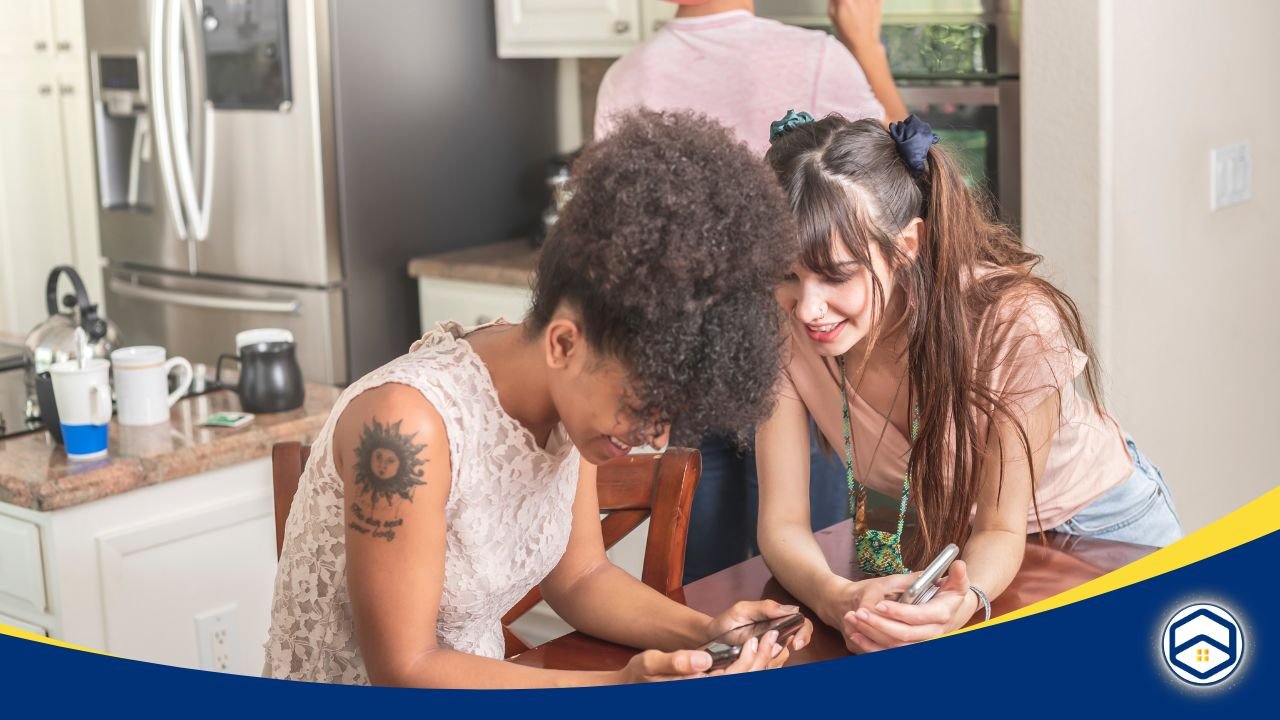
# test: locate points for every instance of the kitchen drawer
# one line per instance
(469, 303)
(21, 569)
(21, 625)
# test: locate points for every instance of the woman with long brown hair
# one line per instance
(944, 372)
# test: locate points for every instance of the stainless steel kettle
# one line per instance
(54, 339)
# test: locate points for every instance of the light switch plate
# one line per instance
(1231, 175)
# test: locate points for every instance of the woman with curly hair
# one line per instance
(450, 481)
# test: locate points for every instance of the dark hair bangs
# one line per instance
(825, 210)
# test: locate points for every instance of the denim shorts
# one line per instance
(1139, 510)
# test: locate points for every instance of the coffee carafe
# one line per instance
(270, 377)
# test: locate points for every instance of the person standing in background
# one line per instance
(717, 58)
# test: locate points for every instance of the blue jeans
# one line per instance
(722, 524)
(1139, 510)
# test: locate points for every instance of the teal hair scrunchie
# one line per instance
(789, 122)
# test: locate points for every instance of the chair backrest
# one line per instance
(287, 461)
(655, 486)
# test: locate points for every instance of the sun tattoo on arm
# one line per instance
(387, 466)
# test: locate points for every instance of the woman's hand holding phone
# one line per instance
(887, 623)
(852, 595)
(757, 653)
(746, 613)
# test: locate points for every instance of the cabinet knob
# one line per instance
(41, 46)
(622, 27)
(46, 89)
(67, 89)
(64, 46)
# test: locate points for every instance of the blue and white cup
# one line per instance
(83, 396)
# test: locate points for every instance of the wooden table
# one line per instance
(1052, 565)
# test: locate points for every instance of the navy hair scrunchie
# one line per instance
(790, 121)
(913, 137)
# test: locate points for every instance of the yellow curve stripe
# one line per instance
(1258, 518)
(15, 632)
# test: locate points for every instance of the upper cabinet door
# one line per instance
(655, 14)
(26, 30)
(35, 226)
(68, 28)
(566, 28)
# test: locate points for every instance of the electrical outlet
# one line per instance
(1231, 175)
(216, 637)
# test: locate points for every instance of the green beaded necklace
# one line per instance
(879, 553)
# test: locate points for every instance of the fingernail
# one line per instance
(754, 645)
(777, 650)
(863, 614)
(701, 661)
(799, 643)
(791, 608)
(881, 607)
(771, 637)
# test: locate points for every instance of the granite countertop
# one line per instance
(36, 474)
(505, 263)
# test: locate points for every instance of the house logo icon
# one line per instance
(1203, 644)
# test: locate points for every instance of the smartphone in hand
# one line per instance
(727, 647)
(926, 586)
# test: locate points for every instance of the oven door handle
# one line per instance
(987, 95)
(202, 300)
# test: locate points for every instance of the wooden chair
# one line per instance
(630, 489)
(287, 461)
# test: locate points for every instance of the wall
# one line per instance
(1123, 100)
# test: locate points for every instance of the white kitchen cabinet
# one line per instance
(566, 28)
(48, 195)
(34, 30)
(25, 626)
(469, 303)
(134, 574)
(35, 215)
(654, 14)
(21, 567)
(68, 29)
(26, 30)
(576, 28)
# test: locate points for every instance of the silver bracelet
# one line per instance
(982, 598)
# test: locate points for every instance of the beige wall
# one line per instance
(1123, 100)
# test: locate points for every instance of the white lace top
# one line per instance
(509, 513)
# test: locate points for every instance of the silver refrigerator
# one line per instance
(276, 163)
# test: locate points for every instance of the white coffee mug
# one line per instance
(83, 397)
(142, 384)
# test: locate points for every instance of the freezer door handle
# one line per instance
(160, 110)
(202, 300)
(184, 41)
